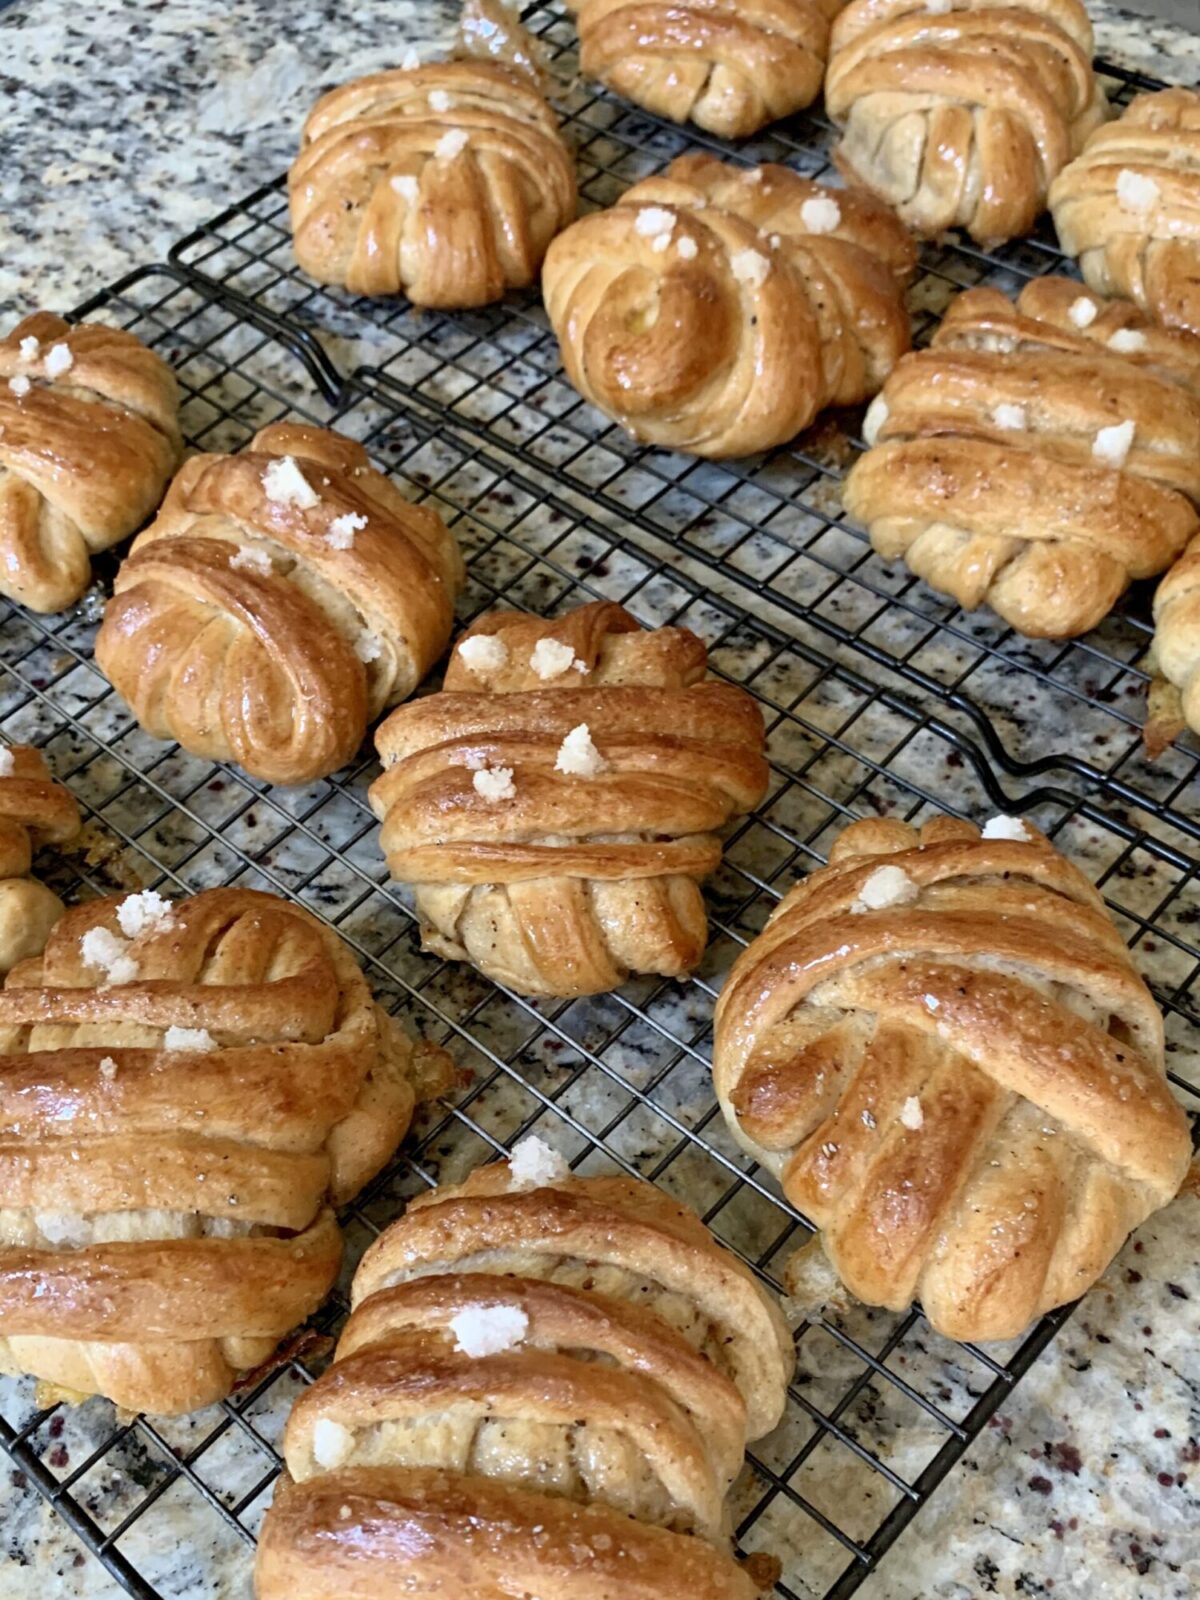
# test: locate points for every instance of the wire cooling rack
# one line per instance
(881, 1407)
(772, 525)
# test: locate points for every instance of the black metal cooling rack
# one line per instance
(771, 526)
(881, 1407)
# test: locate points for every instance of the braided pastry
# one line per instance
(444, 182)
(730, 66)
(717, 309)
(556, 807)
(1129, 207)
(941, 1046)
(961, 115)
(185, 1089)
(34, 810)
(282, 598)
(89, 437)
(1176, 652)
(560, 1380)
(1032, 461)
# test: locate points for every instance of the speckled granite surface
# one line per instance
(130, 124)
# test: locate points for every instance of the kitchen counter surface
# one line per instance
(126, 125)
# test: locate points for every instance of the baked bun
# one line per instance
(560, 1379)
(185, 1090)
(34, 810)
(557, 806)
(444, 183)
(961, 115)
(89, 436)
(282, 598)
(1176, 653)
(716, 309)
(1033, 460)
(729, 66)
(1129, 207)
(940, 1045)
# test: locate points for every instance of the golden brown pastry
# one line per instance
(558, 1375)
(717, 309)
(185, 1090)
(1036, 458)
(34, 810)
(89, 436)
(1129, 207)
(443, 182)
(940, 1045)
(557, 806)
(730, 66)
(282, 598)
(961, 114)
(1175, 696)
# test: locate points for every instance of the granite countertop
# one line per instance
(126, 125)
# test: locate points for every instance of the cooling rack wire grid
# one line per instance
(878, 698)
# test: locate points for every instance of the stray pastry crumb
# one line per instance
(749, 267)
(1126, 340)
(483, 652)
(494, 783)
(578, 756)
(687, 248)
(550, 658)
(331, 1443)
(342, 530)
(911, 1114)
(109, 953)
(29, 348)
(188, 1039)
(440, 101)
(1112, 445)
(533, 1164)
(487, 1330)
(1083, 311)
(1135, 191)
(286, 485)
(1010, 416)
(7, 762)
(452, 143)
(1005, 828)
(20, 385)
(139, 912)
(820, 213)
(407, 187)
(108, 1068)
(58, 360)
(877, 414)
(886, 886)
(368, 647)
(248, 558)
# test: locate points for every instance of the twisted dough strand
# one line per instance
(1129, 207)
(279, 664)
(963, 1088)
(762, 298)
(85, 452)
(606, 1435)
(166, 1214)
(34, 810)
(962, 117)
(444, 182)
(571, 882)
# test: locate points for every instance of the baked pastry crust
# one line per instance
(962, 117)
(34, 811)
(763, 298)
(572, 881)
(167, 1201)
(964, 1088)
(990, 471)
(1176, 653)
(268, 633)
(729, 66)
(1145, 246)
(85, 451)
(616, 1421)
(384, 200)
